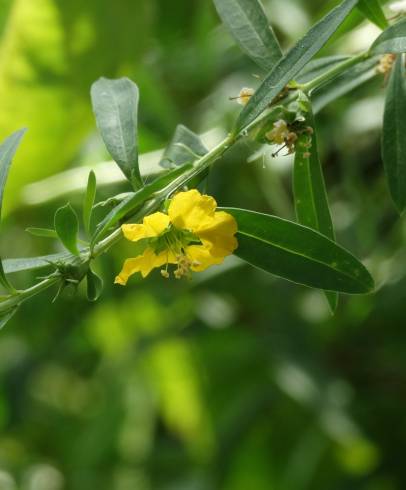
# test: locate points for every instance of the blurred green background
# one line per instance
(235, 380)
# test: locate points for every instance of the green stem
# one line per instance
(333, 72)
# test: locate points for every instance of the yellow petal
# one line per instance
(190, 210)
(218, 234)
(201, 257)
(143, 264)
(152, 225)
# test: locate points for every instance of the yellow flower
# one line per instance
(244, 96)
(192, 235)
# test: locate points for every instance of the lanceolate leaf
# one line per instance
(298, 253)
(42, 232)
(185, 147)
(115, 105)
(287, 68)
(7, 152)
(392, 40)
(318, 66)
(247, 22)
(373, 11)
(89, 200)
(66, 225)
(394, 134)
(310, 196)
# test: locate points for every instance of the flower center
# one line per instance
(175, 241)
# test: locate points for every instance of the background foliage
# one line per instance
(235, 380)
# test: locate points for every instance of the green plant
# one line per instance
(280, 111)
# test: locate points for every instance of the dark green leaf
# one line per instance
(33, 263)
(309, 190)
(135, 200)
(392, 40)
(7, 152)
(94, 285)
(298, 253)
(344, 83)
(373, 11)
(42, 232)
(5, 317)
(394, 134)
(89, 200)
(115, 105)
(247, 22)
(288, 67)
(66, 225)
(185, 147)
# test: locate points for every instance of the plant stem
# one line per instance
(333, 72)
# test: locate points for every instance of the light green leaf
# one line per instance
(66, 225)
(344, 83)
(42, 232)
(7, 152)
(115, 105)
(33, 263)
(373, 11)
(94, 285)
(288, 67)
(89, 200)
(135, 200)
(394, 134)
(185, 147)
(309, 190)
(392, 40)
(298, 253)
(247, 23)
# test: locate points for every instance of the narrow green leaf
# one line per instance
(89, 200)
(288, 67)
(5, 317)
(7, 151)
(33, 263)
(185, 147)
(247, 23)
(344, 83)
(42, 232)
(115, 105)
(298, 253)
(309, 190)
(66, 225)
(94, 285)
(373, 11)
(135, 200)
(392, 40)
(394, 134)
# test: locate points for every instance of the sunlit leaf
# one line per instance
(298, 253)
(247, 22)
(392, 40)
(90, 196)
(394, 134)
(67, 226)
(7, 151)
(115, 105)
(286, 69)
